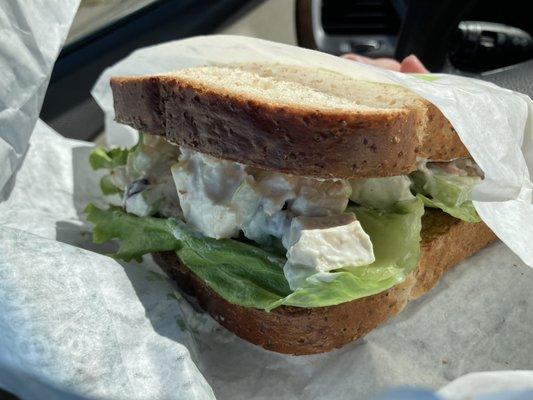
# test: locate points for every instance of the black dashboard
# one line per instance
(461, 36)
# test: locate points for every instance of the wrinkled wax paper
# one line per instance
(77, 324)
(31, 34)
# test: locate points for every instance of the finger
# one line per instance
(411, 64)
(386, 63)
(357, 57)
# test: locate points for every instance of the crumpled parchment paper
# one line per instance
(31, 36)
(77, 324)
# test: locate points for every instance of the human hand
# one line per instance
(409, 64)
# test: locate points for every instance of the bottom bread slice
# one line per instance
(294, 330)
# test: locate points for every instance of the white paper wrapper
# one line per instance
(76, 323)
(71, 318)
(501, 385)
(31, 35)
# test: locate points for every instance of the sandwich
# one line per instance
(300, 207)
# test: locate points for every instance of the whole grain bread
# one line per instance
(292, 330)
(302, 121)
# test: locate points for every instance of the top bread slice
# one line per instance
(301, 121)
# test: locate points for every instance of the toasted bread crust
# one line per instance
(292, 330)
(440, 141)
(288, 139)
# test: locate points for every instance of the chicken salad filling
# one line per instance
(320, 227)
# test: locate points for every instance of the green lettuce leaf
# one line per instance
(465, 211)
(241, 273)
(108, 187)
(395, 236)
(138, 236)
(249, 276)
(108, 159)
(425, 77)
(448, 192)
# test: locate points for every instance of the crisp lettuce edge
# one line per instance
(245, 274)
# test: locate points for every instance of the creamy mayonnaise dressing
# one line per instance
(381, 192)
(149, 188)
(222, 198)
